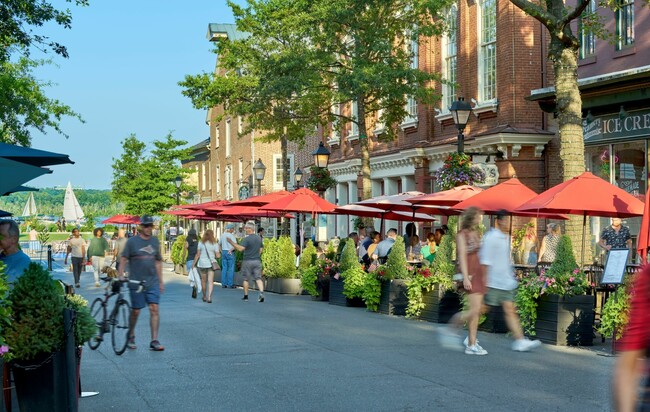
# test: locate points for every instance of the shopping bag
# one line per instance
(195, 279)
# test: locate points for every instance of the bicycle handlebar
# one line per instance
(140, 283)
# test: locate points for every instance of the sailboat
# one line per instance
(71, 210)
(30, 207)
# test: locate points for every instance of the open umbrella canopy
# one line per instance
(20, 189)
(400, 203)
(250, 212)
(643, 242)
(585, 195)
(4, 214)
(508, 196)
(366, 211)
(262, 199)
(447, 197)
(212, 205)
(122, 220)
(302, 201)
(31, 156)
(16, 173)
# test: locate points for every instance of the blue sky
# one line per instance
(126, 58)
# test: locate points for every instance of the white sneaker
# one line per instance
(466, 341)
(449, 339)
(475, 350)
(525, 345)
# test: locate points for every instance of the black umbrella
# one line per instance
(4, 214)
(19, 189)
(31, 156)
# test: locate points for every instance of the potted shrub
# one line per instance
(347, 288)
(429, 292)
(316, 279)
(554, 306)
(279, 266)
(385, 287)
(36, 338)
(178, 254)
(616, 312)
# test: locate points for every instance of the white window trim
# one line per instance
(354, 112)
(217, 137)
(335, 134)
(240, 124)
(410, 121)
(444, 56)
(277, 184)
(485, 106)
(481, 57)
(218, 171)
(228, 133)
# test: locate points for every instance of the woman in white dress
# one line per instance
(207, 253)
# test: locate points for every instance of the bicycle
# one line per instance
(118, 320)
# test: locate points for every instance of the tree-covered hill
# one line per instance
(50, 202)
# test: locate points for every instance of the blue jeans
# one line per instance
(188, 265)
(227, 268)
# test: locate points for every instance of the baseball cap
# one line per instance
(230, 226)
(146, 220)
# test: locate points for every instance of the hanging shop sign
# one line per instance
(615, 127)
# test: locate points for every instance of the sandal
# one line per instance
(156, 346)
(131, 343)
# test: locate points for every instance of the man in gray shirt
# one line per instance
(251, 266)
(384, 247)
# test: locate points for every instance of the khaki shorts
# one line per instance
(495, 297)
(251, 270)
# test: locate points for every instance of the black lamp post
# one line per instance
(460, 111)
(321, 156)
(178, 181)
(259, 169)
(298, 176)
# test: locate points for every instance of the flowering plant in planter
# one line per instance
(458, 170)
(371, 293)
(320, 179)
(563, 278)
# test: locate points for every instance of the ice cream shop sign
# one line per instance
(617, 126)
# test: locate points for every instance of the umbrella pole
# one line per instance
(584, 227)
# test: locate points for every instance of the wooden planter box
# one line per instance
(393, 300)
(566, 320)
(338, 298)
(284, 286)
(495, 321)
(439, 306)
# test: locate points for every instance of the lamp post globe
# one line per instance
(178, 181)
(460, 111)
(321, 156)
(259, 170)
(298, 176)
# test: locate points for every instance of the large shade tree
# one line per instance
(303, 60)
(24, 106)
(144, 181)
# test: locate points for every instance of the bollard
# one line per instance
(49, 257)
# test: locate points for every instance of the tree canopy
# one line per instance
(143, 181)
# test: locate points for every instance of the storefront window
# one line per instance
(597, 161)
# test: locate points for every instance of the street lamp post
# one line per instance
(178, 181)
(259, 169)
(460, 111)
(321, 159)
(298, 176)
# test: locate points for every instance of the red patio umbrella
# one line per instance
(250, 212)
(212, 205)
(447, 197)
(302, 201)
(585, 195)
(643, 241)
(366, 211)
(508, 196)
(262, 199)
(122, 220)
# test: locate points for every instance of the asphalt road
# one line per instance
(294, 354)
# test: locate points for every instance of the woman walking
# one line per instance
(190, 248)
(76, 248)
(97, 252)
(207, 253)
(468, 244)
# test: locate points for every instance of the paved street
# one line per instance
(293, 354)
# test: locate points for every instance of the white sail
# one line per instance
(30, 206)
(71, 210)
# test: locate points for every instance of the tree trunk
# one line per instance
(285, 177)
(569, 110)
(365, 151)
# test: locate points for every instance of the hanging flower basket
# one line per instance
(320, 179)
(458, 170)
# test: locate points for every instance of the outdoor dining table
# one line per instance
(415, 263)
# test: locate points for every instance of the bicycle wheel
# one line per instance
(98, 312)
(120, 326)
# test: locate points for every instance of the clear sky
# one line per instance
(126, 59)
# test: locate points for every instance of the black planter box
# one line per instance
(337, 297)
(323, 289)
(566, 320)
(495, 321)
(439, 306)
(393, 300)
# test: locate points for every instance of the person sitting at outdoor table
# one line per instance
(429, 250)
(409, 231)
(376, 238)
(529, 246)
(548, 249)
(615, 236)
(413, 249)
(384, 247)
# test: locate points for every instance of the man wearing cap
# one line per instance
(142, 253)
(251, 266)
(227, 256)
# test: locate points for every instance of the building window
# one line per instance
(487, 50)
(587, 36)
(204, 173)
(240, 124)
(449, 53)
(241, 171)
(335, 135)
(217, 136)
(218, 174)
(411, 110)
(625, 23)
(414, 52)
(228, 138)
(227, 177)
(354, 113)
(278, 169)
